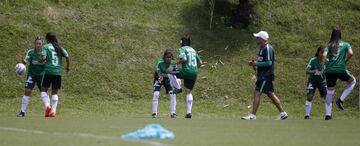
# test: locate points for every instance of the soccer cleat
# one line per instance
(173, 115)
(307, 117)
(154, 115)
(188, 115)
(340, 104)
(21, 114)
(283, 116)
(328, 117)
(249, 117)
(176, 91)
(47, 111)
(52, 114)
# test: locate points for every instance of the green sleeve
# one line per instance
(264, 64)
(198, 59)
(28, 56)
(310, 65)
(64, 52)
(182, 54)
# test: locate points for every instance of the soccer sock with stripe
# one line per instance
(45, 98)
(54, 102)
(347, 90)
(189, 102)
(328, 102)
(155, 101)
(172, 103)
(24, 103)
(307, 107)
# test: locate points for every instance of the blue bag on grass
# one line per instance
(150, 131)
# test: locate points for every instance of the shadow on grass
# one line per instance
(227, 35)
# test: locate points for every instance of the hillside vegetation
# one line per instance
(115, 44)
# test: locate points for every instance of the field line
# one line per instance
(85, 135)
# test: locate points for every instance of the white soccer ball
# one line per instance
(20, 69)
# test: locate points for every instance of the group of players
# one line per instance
(328, 65)
(45, 69)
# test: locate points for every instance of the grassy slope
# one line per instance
(114, 46)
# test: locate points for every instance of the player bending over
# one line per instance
(161, 79)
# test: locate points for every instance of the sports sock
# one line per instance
(307, 107)
(189, 102)
(45, 98)
(328, 102)
(54, 102)
(173, 81)
(172, 103)
(24, 103)
(347, 90)
(155, 101)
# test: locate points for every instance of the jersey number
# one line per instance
(192, 59)
(55, 58)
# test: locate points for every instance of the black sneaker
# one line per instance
(327, 117)
(307, 117)
(21, 114)
(173, 115)
(340, 104)
(177, 91)
(154, 115)
(188, 116)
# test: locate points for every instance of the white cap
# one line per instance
(262, 34)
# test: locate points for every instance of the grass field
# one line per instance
(115, 44)
(105, 130)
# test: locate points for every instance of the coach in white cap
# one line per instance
(265, 76)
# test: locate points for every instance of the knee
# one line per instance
(27, 92)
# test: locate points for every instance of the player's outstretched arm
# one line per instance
(67, 64)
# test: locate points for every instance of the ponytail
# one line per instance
(51, 38)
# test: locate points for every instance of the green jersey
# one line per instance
(337, 58)
(314, 64)
(162, 67)
(33, 57)
(53, 65)
(191, 58)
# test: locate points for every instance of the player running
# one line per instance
(190, 61)
(339, 53)
(53, 70)
(161, 79)
(316, 79)
(35, 57)
(265, 76)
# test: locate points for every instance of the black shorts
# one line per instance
(264, 86)
(53, 80)
(31, 81)
(188, 83)
(157, 84)
(311, 89)
(332, 77)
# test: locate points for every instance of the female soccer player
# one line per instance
(265, 76)
(190, 61)
(161, 79)
(339, 53)
(53, 70)
(316, 79)
(35, 57)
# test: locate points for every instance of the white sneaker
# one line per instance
(249, 117)
(283, 116)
